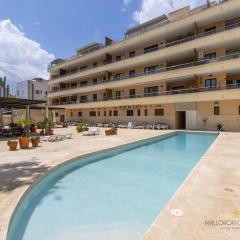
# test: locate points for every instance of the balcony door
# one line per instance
(211, 83)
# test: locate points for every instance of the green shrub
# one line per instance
(81, 127)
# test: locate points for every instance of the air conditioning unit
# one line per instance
(200, 55)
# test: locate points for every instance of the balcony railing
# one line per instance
(193, 11)
(157, 94)
(171, 68)
(170, 44)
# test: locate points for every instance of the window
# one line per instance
(95, 64)
(210, 56)
(92, 113)
(37, 92)
(209, 83)
(139, 112)
(151, 69)
(99, 113)
(118, 94)
(151, 48)
(233, 83)
(118, 76)
(95, 81)
(83, 83)
(80, 114)
(94, 97)
(115, 113)
(129, 113)
(83, 68)
(118, 58)
(131, 54)
(145, 112)
(56, 114)
(216, 110)
(110, 113)
(131, 73)
(210, 30)
(151, 91)
(132, 93)
(105, 113)
(159, 112)
(83, 99)
(71, 113)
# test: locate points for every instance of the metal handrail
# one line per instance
(163, 93)
(166, 45)
(122, 40)
(174, 67)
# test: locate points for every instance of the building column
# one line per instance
(65, 115)
(42, 115)
(1, 117)
(46, 111)
(27, 112)
(54, 116)
(12, 113)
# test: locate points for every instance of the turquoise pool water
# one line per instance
(112, 195)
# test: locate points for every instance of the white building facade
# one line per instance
(35, 89)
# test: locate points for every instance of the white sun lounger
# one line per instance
(92, 132)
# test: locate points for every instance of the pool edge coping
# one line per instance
(78, 158)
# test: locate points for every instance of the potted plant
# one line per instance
(33, 128)
(24, 141)
(81, 127)
(35, 141)
(48, 126)
(12, 145)
(41, 125)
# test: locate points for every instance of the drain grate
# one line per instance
(176, 212)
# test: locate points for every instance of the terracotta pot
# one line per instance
(33, 129)
(112, 131)
(50, 131)
(24, 142)
(34, 142)
(12, 145)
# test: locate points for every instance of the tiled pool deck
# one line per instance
(211, 192)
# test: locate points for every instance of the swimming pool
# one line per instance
(115, 194)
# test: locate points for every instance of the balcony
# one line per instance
(161, 24)
(186, 95)
(155, 49)
(149, 73)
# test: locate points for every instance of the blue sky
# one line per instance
(64, 25)
(34, 32)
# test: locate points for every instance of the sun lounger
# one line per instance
(92, 132)
(68, 136)
(50, 139)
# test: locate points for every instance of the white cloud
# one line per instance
(153, 8)
(37, 23)
(126, 2)
(20, 57)
(125, 5)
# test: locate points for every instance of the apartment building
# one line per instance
(182, 69)
(4, 87)
(35, 89)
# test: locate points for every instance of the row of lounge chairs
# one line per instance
(132, 125)
(57, 137)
